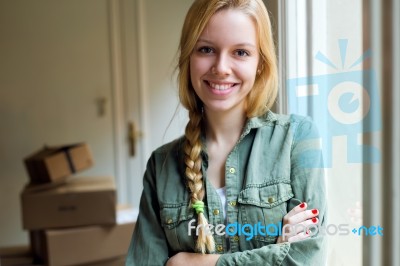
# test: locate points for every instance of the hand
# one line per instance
(187, 258)
(296, 222)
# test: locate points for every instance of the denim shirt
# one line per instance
(275, 165)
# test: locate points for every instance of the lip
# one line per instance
(220, 87)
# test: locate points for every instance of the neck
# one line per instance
(224, 128)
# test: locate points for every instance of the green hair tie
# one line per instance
(198, 206)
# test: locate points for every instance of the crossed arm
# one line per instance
(299, 215)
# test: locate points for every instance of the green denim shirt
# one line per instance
(275, 165)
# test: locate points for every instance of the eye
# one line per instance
(242, 53)
(205, 50)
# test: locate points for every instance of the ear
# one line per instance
(260, 67)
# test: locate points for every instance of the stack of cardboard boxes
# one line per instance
(73, 220)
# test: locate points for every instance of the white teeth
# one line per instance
(220, 87)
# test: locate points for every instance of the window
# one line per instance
(321, 57)
(339, 63)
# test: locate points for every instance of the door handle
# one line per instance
(133, 136)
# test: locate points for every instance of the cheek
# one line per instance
(199, 66)
(248, 73)
(247, 67)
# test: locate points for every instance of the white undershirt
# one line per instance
(222, 195)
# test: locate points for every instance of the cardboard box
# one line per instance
(15, 251)
(17, 255)
(79, 201)
(52, 164)
(97, 245)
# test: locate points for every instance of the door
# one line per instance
(62, 70)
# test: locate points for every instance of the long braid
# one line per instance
(258, 101)
(194, 176)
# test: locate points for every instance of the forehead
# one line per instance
(230, 26)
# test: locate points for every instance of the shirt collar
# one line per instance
(257, 122)
(251, 123)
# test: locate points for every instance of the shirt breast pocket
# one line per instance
(175, 219)
(264, 206)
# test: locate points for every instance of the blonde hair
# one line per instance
(258, 101)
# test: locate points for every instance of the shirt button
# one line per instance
(232, 170)
(169, 221)
(271, 200)
(232, 203)
(220, 248)
(216, 211)
(236, 238)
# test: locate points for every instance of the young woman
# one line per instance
(221, 194)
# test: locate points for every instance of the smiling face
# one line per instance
(223, 65)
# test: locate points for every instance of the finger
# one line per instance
(298, 237)
(302, 216)
(299, 208)
(305, 226)
(294, 229)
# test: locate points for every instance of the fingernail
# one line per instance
(307, 232)
(302, 205)
(314, 220)
(314, 211)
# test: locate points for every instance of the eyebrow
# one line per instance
(239, 44)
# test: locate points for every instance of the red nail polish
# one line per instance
(314, 211)
(307, 232)
(314, 220)
(302, 205)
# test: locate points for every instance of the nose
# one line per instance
(222, 66)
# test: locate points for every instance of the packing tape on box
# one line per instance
(69, 160)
